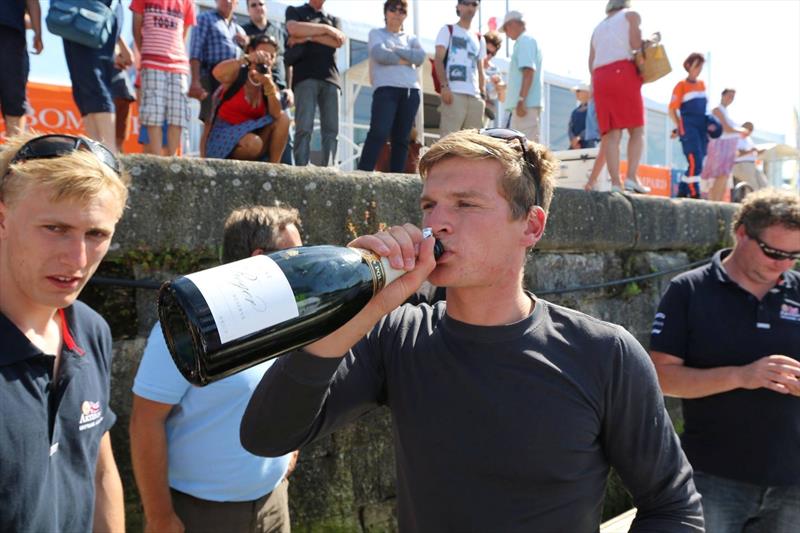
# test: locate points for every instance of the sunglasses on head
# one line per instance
(58, 145)
(509, 135)
(397, 9)
(774, 253)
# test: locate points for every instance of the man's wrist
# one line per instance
(521, 99)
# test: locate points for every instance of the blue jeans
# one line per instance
(734, 506)
(393, 113)
(308, 94)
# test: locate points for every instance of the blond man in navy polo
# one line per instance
(726, 339)
(60, 200)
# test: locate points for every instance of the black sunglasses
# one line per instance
(774, 253)
(469, 3)
(507, 134)
(397, 9)
(58, 145)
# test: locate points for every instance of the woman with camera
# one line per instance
(248, 122)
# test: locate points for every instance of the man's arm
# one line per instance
(302, 30)
(109, 507)
(137, 30)
(35, 14)
(641, 444)
(775, 372)
(311, 392)
(149, 459)
(527, 81)
(441, 74)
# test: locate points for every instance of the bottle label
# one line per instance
(246, 296)
(375, 265)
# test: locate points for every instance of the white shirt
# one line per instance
(462, 60)
(611, 40)
(745, 143)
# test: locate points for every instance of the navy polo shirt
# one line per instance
(50, 432)
(708, 320)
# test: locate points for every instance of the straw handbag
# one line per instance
(653, 62)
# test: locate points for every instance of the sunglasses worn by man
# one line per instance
(508, 134)
(58, 145)
(775, 253)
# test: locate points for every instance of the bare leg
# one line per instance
(597, 168)
(635, 148)
(123, 120)
(100, 127)
(611, 140)
(174, 135)
(274, 137)
(155, 135)
(249, 148)
(717, 192)
(14, 125)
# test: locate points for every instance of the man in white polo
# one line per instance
(524, 95)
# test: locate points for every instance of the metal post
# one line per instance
(420, 123)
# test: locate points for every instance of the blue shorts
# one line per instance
(14, 67)
(92, 73)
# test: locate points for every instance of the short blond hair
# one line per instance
(254, 227)
(79, 175)
(518, 183)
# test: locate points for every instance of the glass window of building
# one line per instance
(560, 105)
(656, 128)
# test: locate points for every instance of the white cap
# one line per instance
(511, 15)
(582, 87)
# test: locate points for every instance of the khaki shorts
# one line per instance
(466, 112)
(270, 513)
(530, 124)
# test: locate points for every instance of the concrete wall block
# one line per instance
(576, 217)
(664, 224)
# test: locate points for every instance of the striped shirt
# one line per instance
(163, 28)
(213, 40)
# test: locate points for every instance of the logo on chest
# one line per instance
(790, 310)
(91, 415)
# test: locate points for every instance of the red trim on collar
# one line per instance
(67, 336)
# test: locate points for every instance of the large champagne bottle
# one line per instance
(225, 319)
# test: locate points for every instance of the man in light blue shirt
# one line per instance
(190, 467)
(524, 95)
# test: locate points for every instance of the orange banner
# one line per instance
(54, 111)
(658, 179)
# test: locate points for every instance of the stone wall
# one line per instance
(346, 482)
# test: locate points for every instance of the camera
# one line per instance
(262, 68)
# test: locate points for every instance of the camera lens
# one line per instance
(261, 68)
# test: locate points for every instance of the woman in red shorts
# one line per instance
(618, 89)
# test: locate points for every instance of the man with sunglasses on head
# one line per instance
(507, 410)
(726, 339)
(459, 67)
(60, 200)
(281, 72)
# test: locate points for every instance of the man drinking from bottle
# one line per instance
(507, 410)
(60, 199)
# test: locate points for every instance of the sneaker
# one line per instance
(633, 186)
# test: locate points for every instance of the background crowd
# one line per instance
(261, 104)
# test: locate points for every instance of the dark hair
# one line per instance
(768, 207)
(692, 59)
(492, 37)
(261, 38)
(252, 227)
(394, 3)
(728, 90)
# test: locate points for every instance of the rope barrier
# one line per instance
(150, 284)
